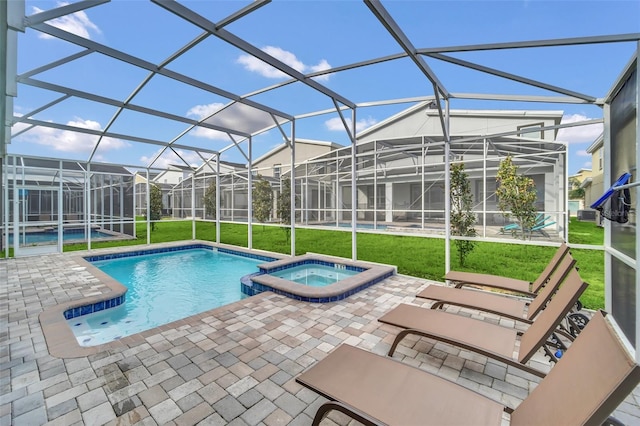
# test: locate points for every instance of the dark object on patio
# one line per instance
(491, 340)
(615, 203)
(589, 215)
(519, 309)
(590, 381)
(505, 283)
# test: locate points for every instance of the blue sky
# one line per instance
(308, 36)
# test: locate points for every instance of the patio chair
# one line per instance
(519, 309)
(586, 386)
(491, 340)
(539, 227)
(505, 283)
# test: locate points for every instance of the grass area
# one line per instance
(415, 256)
(585, 232)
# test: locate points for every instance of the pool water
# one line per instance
(162, 288)
(363, 226)
(314, 275)
(51, 236)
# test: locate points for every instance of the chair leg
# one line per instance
(335, 405)
(401, 335)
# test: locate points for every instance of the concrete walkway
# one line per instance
(232, 365)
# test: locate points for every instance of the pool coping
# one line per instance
(372, 274)
(60, 340)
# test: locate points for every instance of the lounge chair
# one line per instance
(538, 226)
(586, 386)
(505, 283)
(492, 340)
(519, 309)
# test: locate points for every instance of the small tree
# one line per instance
(575, 192)
(284, 205)
(155, 207)
(516, 195)
(262, 200)
(462, 218)
(209, 200)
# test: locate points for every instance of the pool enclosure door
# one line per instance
(36, 221)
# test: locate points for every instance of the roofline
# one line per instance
(586, 183)
(555, 114)
(596, 144)
(283, 145)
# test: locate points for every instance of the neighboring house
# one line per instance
(575, 182)
(401, 166)
(594, 185)
(400, 170)
(277, 162)
(234, 198)
(181, 193)
(165, 180)
(51, 193)
(582, 174)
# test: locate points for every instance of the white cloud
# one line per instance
(200, 112)
(587, 165)
(335, 124)
(253, 64)
(69, 141)
(583, 153)
(77, 23)
(169, 158)
(579, 134)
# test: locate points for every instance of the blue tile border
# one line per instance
(111, 256)
(79, 311)
(267, 269)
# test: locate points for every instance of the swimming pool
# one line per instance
(52, 235)
(161, 288)
(363, 225)
(315, 275)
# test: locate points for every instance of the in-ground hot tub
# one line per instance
(315, 278)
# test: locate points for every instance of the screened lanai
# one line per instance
(122, 90)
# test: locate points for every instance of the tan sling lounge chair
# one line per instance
(524, 310)
(491, 340)
(586, 386)
(527, 288)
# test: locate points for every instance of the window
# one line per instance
(531, 131)
(600, 159)
(276, 171)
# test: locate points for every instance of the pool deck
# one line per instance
(233, 365)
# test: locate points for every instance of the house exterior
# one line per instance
(400, 168)
(165, 180)
(400, 172)
(576, 203)
(594, 185)
(234, 197)
(277, 162)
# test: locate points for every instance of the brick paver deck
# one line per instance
(227, 366)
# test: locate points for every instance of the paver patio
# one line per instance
(233, 365)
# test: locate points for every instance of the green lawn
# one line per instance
(416, 256)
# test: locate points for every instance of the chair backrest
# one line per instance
(593, 377)
(551, 266)
(559, 305)
(558, 276)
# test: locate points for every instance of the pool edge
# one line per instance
(59, 338)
